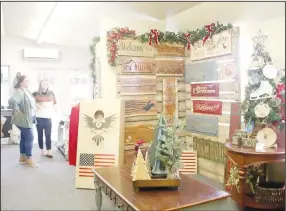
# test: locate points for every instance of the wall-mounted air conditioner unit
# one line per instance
(41, 54)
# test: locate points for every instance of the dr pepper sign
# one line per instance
(205, 90)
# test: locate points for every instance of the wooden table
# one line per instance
(116, 183)
(244, 157)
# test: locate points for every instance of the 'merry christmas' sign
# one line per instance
(207, 107)
(205, 89)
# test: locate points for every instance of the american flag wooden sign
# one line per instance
(189, 160)
(89, 161)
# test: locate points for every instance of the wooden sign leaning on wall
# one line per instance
(136, 65)
(208, 149)
(137, 85)
(136, 132)
(170, 67)
(170, 98)
(142, 107)
(218, 45)
(131, 47)
(170, 50)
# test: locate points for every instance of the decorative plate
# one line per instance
(262, 110)
(267, 136)
(269, 71)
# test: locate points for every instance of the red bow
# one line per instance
(209, 31)
(154, 33)
(279, 89)
(187, 37)
(138, 144)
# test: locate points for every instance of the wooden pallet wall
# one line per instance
(140, 82)
(223, 70)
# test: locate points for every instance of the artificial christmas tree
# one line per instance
(262, 104)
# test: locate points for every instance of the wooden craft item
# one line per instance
(170, 67)
(235, 118)
(203, 71)
(140, 171)
(170, 98)
(267, 136)
(219, 45)
(207, 107)
(144, 107)
(206, 125)
(136, 65)
(189, 161)
(236, 140)
(131, 47)
(228, 70)
(137, 85)
(205, 90)
(241, 133)
(136, 132)
(170, 50)
(208, 149)
(249, 142)
(100, 138)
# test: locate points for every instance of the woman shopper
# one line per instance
(24, 107)
(45, 100)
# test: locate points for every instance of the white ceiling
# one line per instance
(76, 23)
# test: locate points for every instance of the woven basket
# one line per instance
(270, 193)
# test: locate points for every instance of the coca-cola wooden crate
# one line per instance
(207, 107)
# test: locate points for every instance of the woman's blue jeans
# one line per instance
(26, 141)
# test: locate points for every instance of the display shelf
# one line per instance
(244, 158)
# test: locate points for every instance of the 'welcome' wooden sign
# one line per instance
(130, 47)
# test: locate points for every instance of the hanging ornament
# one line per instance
(262, 110)
(265, 90)
(257, 62)
(255, 78)
(275, 102)
(269, 71)
(267, 136)
(209, 31)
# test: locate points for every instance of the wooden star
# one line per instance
(259, 38)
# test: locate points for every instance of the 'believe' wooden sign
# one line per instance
(207, 107)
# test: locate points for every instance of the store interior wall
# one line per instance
(72, 62)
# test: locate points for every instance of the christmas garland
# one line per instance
(92, 46)
(156, 37)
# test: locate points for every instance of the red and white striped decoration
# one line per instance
(100, 160)
(189, 159)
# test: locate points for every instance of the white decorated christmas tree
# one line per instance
(263, 101)
(140, 171)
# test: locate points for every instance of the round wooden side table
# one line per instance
(244, 157)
